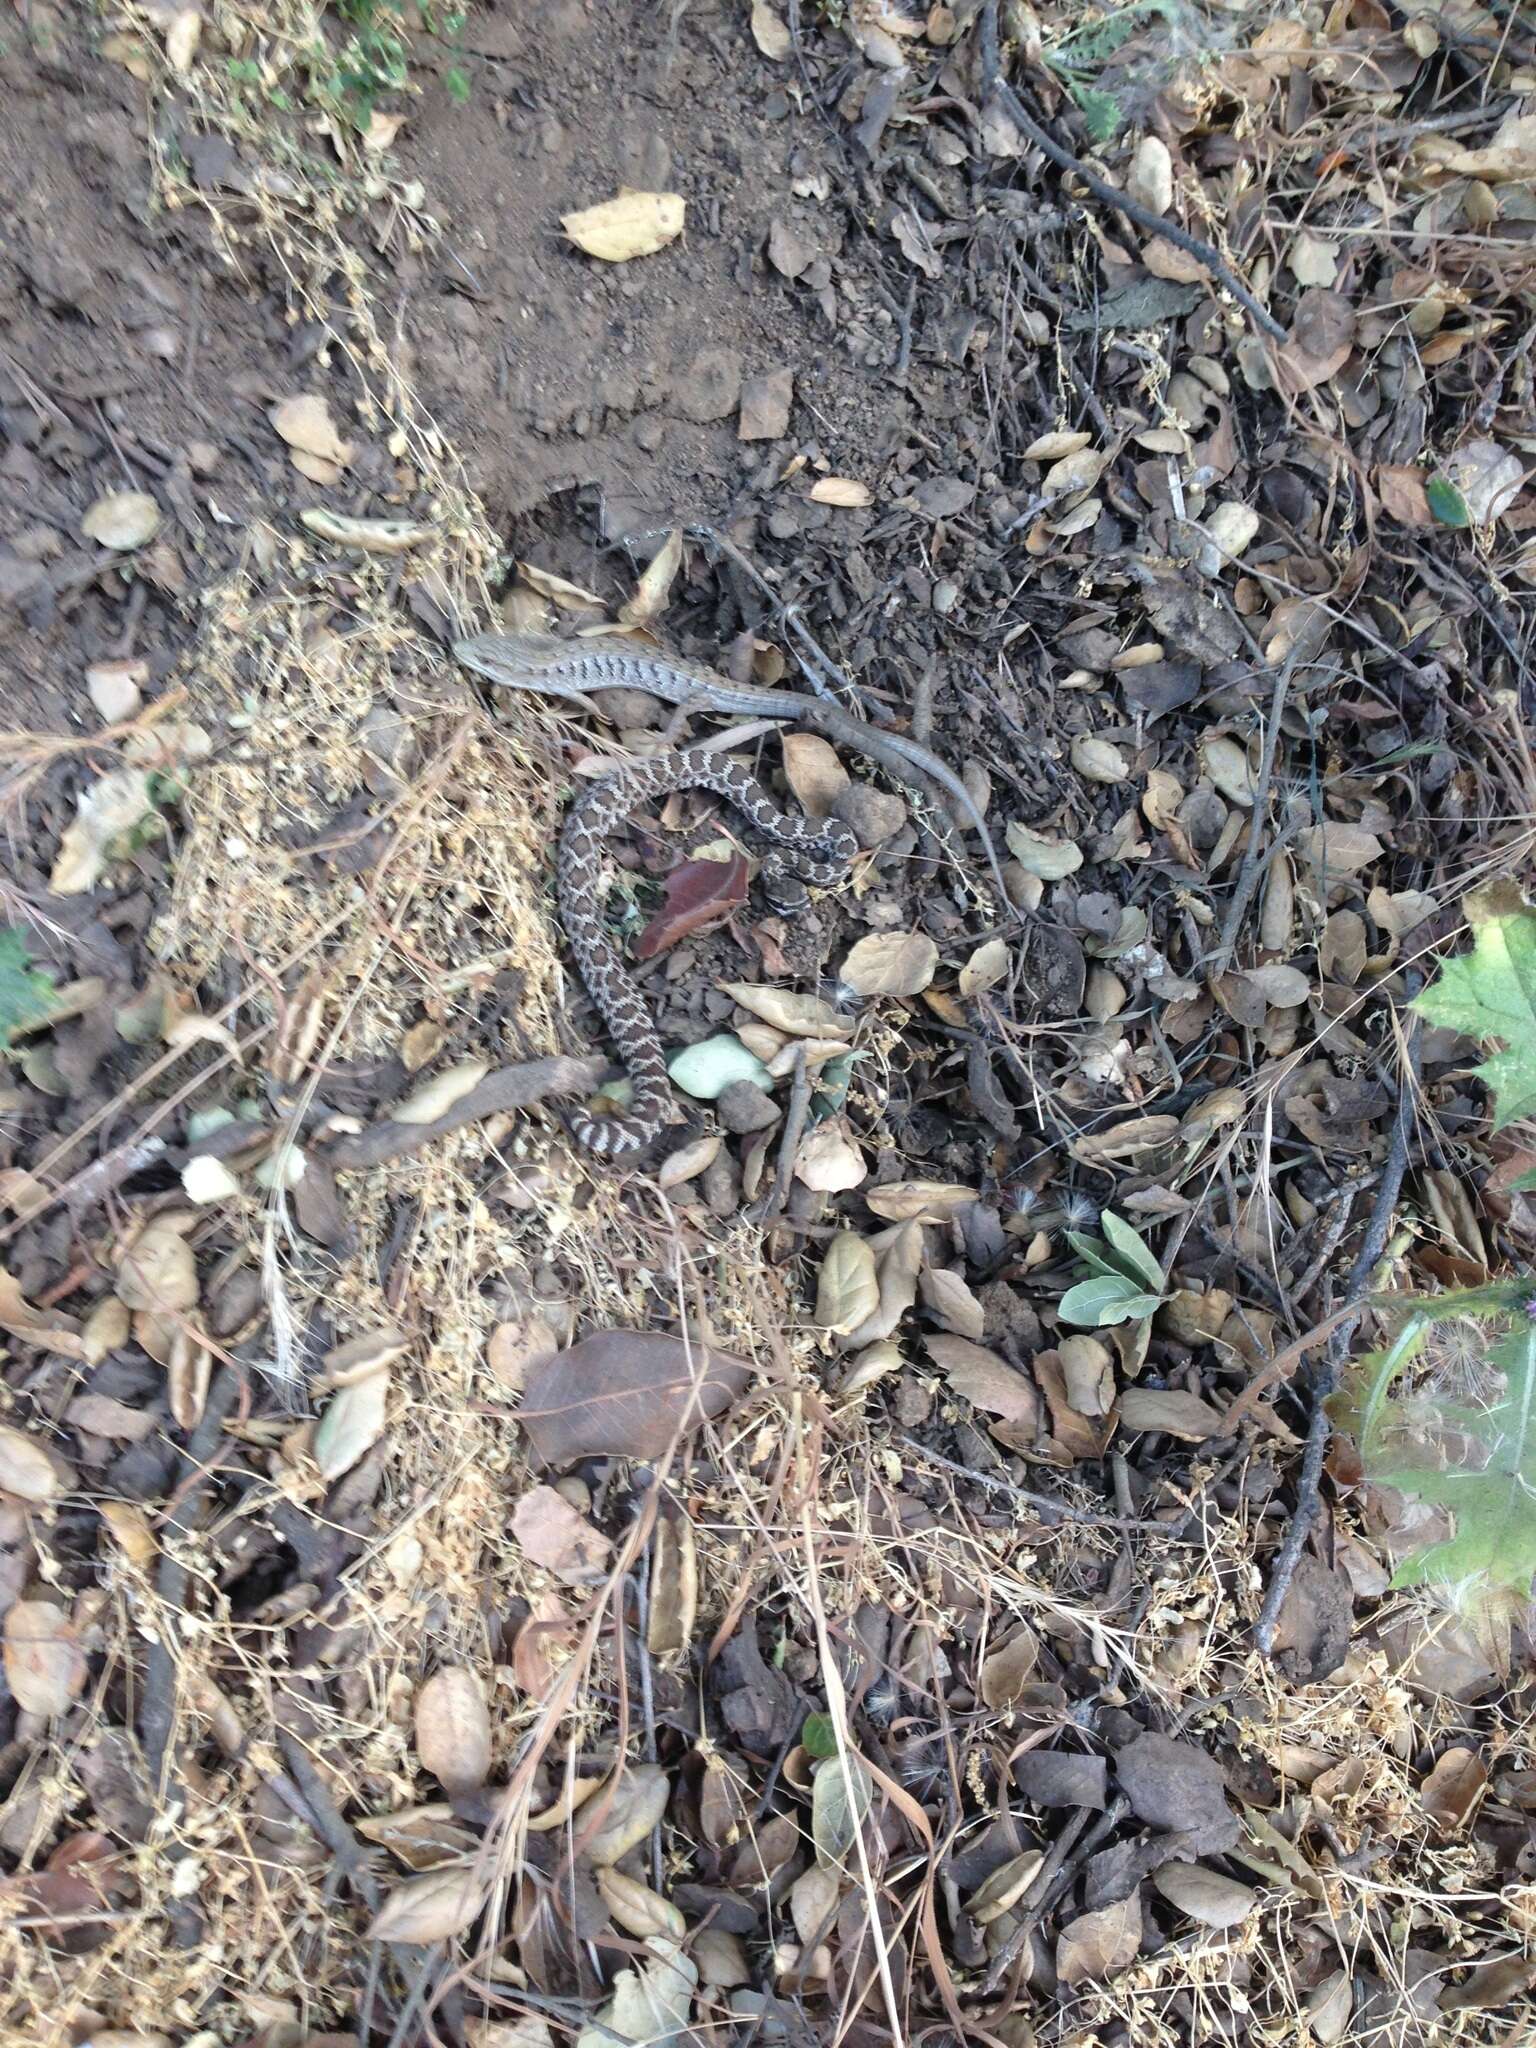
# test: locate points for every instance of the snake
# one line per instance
(818, 853)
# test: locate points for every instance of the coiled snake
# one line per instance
(807, 852)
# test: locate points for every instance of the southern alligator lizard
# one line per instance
(551, 667)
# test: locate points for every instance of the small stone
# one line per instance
(788, 250)
(710, 386)
(649, 434)
(743, 1107)
(765, 403)
(114, 688)
(1151, 178)
(874, 815)
(946, 596)
(204, 457)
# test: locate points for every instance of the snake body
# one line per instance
(549, 667)
(806, 853)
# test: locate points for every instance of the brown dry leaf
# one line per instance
(1002, 1891)
(1172, 1784)
(951, 1302)
(1168, 1409)
(526, 2031)
(637, 1909)
(1453, 1788)
(1096, 1946)
(829, 1161)
(44, 1666)
(769, 32)
(1087, 1373)
(628, 225)
(515, 1349)
(890, 964)
(986, 1381)
(1009, 1669)
(130, 1531)
(899, 1265)
(847, 1288)
(434, 1098)
(553, 1534)
(368, 536)
(1403, 495)
(421, 1836)
(157, 1270)
(1339, 849)
(636, 1802)
(1051, 860)
(102, 1416)
(543, 1643)
(45, 1329)
(674, 1605)
(655, 584)
(434, 1907)
(315, 448)
(1134, 1139)
(352, 1423)
(122, 520)
(107, 813)
(1207, 1897)
(1098, 760)
(814, 772)
(919, 1201)
(1283, 988)
(28, 1470)
(840, 490)
(453, 1729)
(800, 1015)
(987, 966)
(1228, 766)
(697, 895)
(629, 1393)
(689, 1161)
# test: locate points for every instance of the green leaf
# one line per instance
(1106, 1298)
(26, 994)
(1446, 502)
(1491, 993)
(1102, 113)
(1093, 1252)
(819, 1735)
(1492, 1552)
(1131, 1253)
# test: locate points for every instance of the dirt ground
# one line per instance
(392, 1654)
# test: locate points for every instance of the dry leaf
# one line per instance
(1049, 859)
(1008, 1669)
(434, 1907)
(919, 1201)
(423, 1837)
(655, 584)
(44, 1666)
(1005, 1887)
(554, 1535)
(1168, 1409)
(986, 1381)
(800, 1015)
(829, 1161)
(434, 1099)
(839, 490)
(1208, 1898)
(899, 1266)
(369, 536)
(1095, 1946)
(48, 1330)
(635, 1802)
(1227, 764)
(352, 1423)
(951, 1302)
(674, 1607)
(453, 1729)
(158, 1271)
(689, 1161)
(106, 814)
(987, 966)
(1098, 760)
(1453, 1788)
(847, 1289)
(626, 1393)
(1339, 849)
(632, 224)
(890, 964)
(543, 1644)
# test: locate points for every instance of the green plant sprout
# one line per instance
(1123, 1281)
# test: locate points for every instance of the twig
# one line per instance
(1372, 1245)
(1153, 223)
(1040, 1502)
(789, 1144)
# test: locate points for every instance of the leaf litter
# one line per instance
(1244, 622)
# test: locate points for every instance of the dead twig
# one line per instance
(1367, 1258)
(519, 1087)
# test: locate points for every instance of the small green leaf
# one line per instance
(1106, 1298)
(1446, 502)
(1093, 1252)
(819, 1735)
(1132, 1254)
(26, 994)
(1491, 993)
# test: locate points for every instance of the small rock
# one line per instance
(649, 434)
(765, 403)
(629, 710)
(1151, 178)
(18, 579)
(743, 1107)
(203, 458)
(788, 250)
(710, 386)
(874, 815)
(114, 687)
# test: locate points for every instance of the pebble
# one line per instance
(743, 1107)
(874, 815)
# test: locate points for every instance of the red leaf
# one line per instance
(699, 895)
